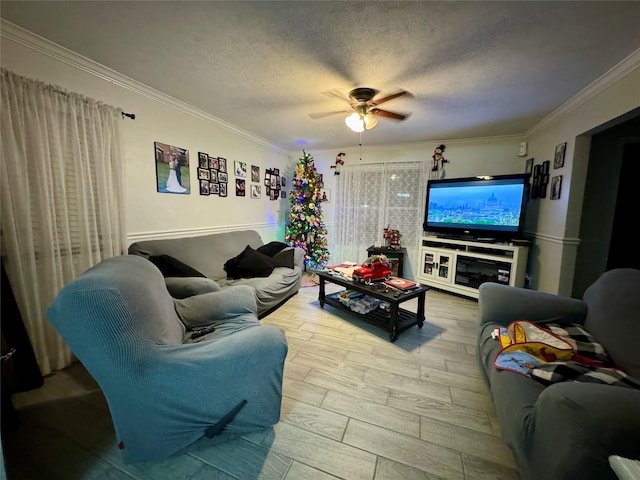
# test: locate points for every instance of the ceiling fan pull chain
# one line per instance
(360, 146)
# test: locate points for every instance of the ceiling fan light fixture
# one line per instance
(370, 121)
(355, 122)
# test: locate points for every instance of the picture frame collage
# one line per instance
(213, 177)
(540, 175)
(274, 183)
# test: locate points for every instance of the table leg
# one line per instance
(420, 314)
(321, 292)
(394, 322)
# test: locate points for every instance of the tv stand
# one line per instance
(461, 266)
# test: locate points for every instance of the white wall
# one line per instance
(557, 222)
(159, 119)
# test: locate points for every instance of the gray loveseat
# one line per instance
(207, 254)
(567, 430)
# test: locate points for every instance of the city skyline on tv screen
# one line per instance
(486, 206)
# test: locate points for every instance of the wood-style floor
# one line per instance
(355, 406)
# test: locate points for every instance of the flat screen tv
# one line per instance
(477, 207)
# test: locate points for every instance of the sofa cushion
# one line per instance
(285, 258)
(271, 248)
(248, 264)
(172, 267)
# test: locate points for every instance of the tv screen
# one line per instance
(477, 206)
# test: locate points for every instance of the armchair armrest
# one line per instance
(183, 287)
(501, 304)
(210, 308)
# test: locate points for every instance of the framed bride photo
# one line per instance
(172, 169)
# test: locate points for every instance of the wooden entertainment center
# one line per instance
(460, 266)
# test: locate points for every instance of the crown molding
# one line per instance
(616, 73)
(41, 45)
(429, 145)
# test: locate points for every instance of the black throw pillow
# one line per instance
(249, 264)
(271, 248)
(172, 267)
(285, 258)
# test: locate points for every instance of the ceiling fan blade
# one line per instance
(387, 114)
(389, 97)
(336, 94)
(317, 115)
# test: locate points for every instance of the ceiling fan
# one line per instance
(365, 108)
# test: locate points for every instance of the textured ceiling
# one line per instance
(474, 69)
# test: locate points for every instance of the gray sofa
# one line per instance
(567, 430)
(172, 371)
(208, 254)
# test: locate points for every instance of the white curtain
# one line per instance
(372, 196)
(62, 198)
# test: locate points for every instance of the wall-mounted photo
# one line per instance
(214, 176)
(255, 173)
(203, 173)
(213, 163)
(223, 189)
(528, 166)
(283, 181)
(172, 169)
(255, 191)
(241, 169)
(204, 187)
(223, 177)
(214, 188)
(558, 159)
(556, 187)
(240, 187)
(203, 160)
(222, 164)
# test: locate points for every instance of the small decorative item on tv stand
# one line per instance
(391, 238)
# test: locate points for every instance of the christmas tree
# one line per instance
(305, 227)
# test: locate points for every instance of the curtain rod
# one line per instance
(132, 116)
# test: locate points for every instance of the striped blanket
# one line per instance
(557, 353)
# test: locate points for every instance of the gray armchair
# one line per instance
(567, 430)
(171, 370)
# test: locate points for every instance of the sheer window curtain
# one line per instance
(62, 198)
(372, 196)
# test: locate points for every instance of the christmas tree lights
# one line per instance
(305, 227)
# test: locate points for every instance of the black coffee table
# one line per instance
(394, 321)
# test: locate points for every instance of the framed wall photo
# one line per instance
(222, 164)
(255, 191)
(223, 177)
(223, 190)
(556, 186)
(240, 187)
(172, 169)
(255, 173)
(213, 163)
(240, 168)
(204, 187)
(214, 188)
(203, 160)
(203, 173)
(528, 166)
(558, 159)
